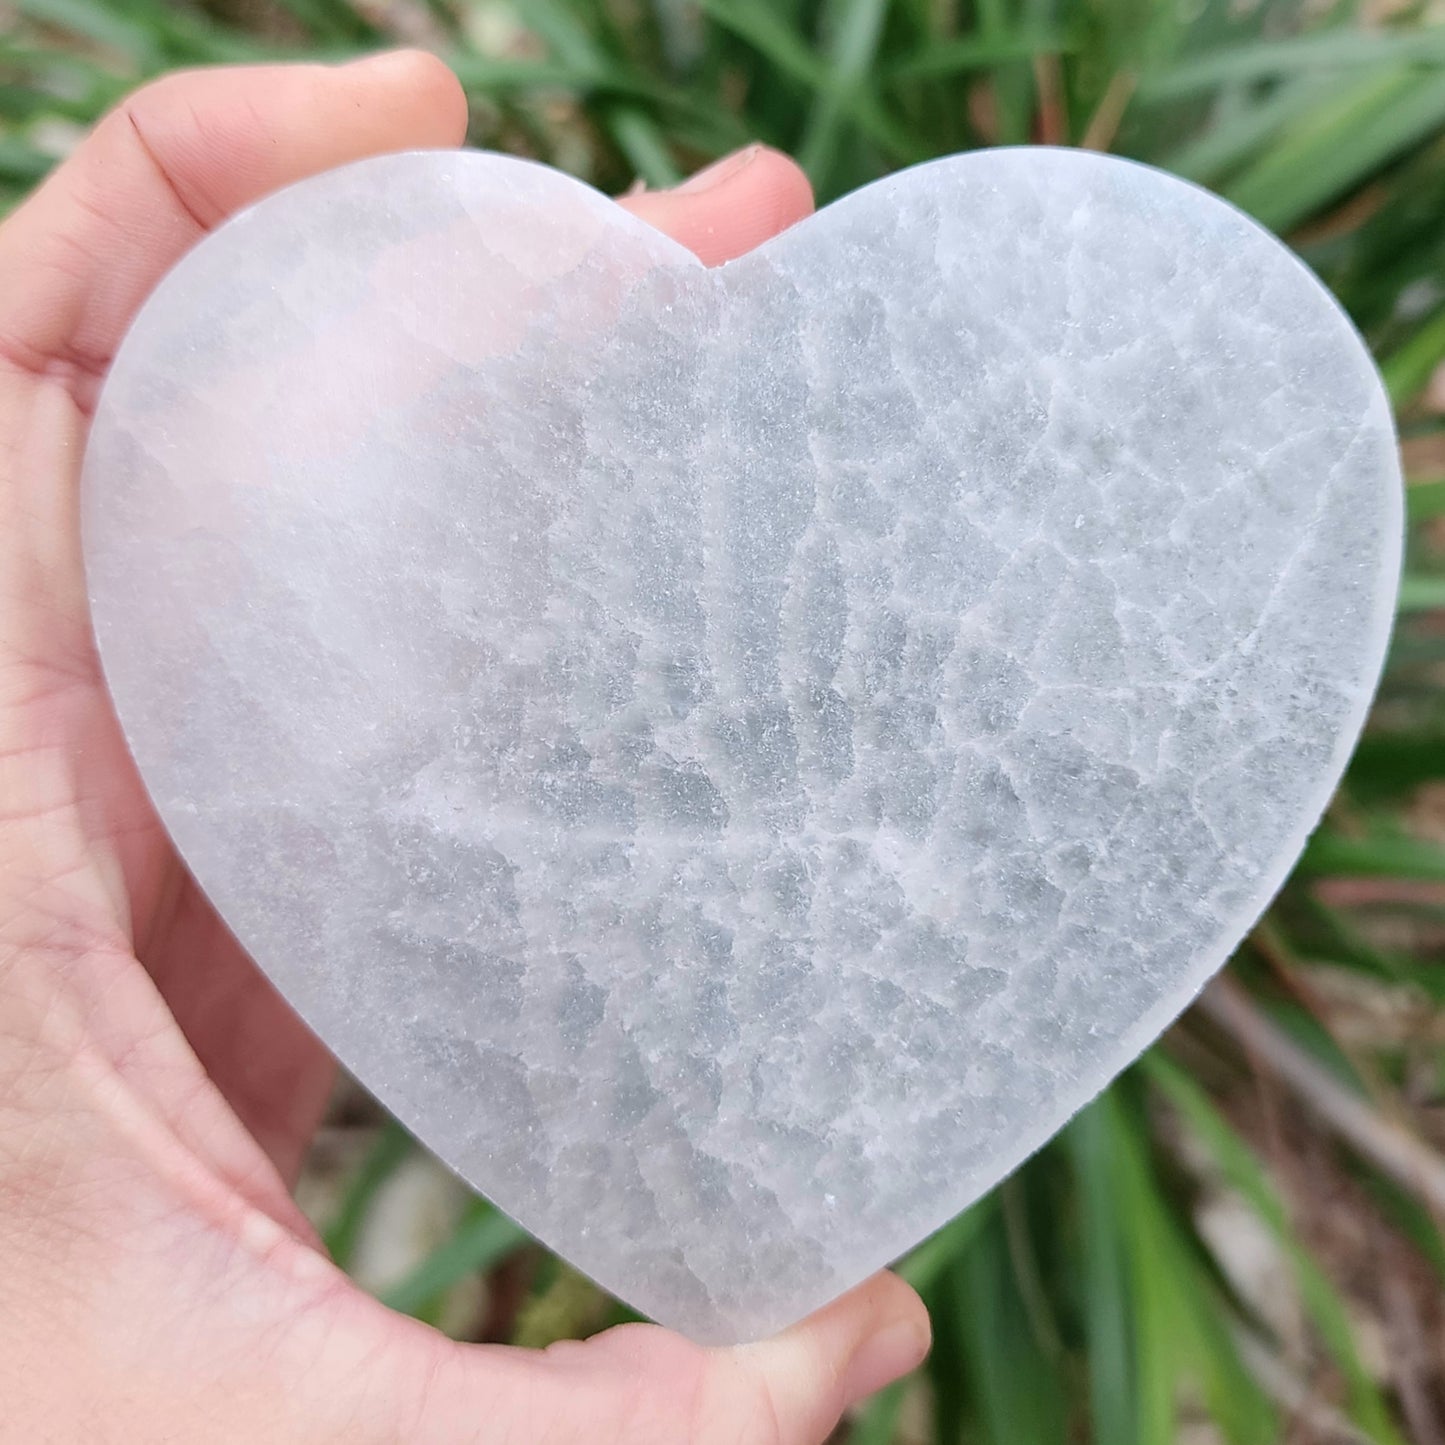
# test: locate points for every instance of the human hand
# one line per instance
(156, 1095)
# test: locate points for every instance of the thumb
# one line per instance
(648, 1386)
(175, 159)
(180, 155)
(789, 1390)
(839, 1356)
(735, 204)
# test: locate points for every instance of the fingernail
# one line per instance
(719, 171)
(883, 1358)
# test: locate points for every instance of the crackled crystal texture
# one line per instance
(735, 758)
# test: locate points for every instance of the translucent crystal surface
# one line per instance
(735, 758)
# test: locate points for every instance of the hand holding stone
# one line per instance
(155, 1094)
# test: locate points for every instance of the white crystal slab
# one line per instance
(735, 758)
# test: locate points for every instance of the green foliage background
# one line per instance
(1083, 1300)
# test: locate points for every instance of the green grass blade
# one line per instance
(482, 1240)
(1238, 134)
(857, 28)
(1371, 123)
(1378, 856)
(1154, 1322)
(1420, 593)
(944, 1368)
(877, 1422)
(1023, 1255)
(1414, 1220)
(1316, 931)
(332, 21)
(483, 75)
(1019, 1392)
(1425, 500)
(1327, 1312)
(21, 163)
(1386, 765)
(48, 68)
(927, 1262)
(574, 45)
(562, 1304)
(1107, 1307)
(1343, 49)
(1408, 369)
(957, 57)
(759, 25)
(150, 33)
(103, 23)
(569, 40)
(390, 1148)
(1184, 1321)
(642, 143)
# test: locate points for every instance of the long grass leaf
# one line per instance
(21, 162)
(1408, 369)
(759, 25)
(388, 1150)
(857, 27)
(1183, 1321)
(1377, 856)
(927, 1262)
(1342, 145)
(1327, 1312)
(1112, 1397)
(969, 53)
(1342, 49)
(484, 75)
(877, 1422)
(335, 21)
(1425, 499)
(1420, 593)
(569, 40)
(103, 23)
(639, 139)
(1238, 134)
(1019, 1392)
(482, 1239)
(1155, 1326)
(1392, 763)
(763, 27)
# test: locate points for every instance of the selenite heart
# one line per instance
(735, 758)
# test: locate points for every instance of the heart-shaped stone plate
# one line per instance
(735, 758)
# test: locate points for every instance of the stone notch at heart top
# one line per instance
(735, 758)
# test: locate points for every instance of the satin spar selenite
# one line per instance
(735, 758)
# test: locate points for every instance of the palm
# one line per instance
(265, 1064)
(269, 1067)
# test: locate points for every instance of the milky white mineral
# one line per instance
(735, 758)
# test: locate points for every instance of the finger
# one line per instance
(649, 1386)
(174, 160)
(75, 263)
(732, 206)
(789, 1390)
(851, 1348)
